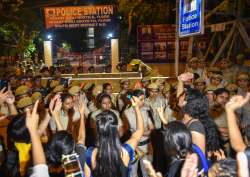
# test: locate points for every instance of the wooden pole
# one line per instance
(214, 10)
(190, 47)
(210, 45)
(224, 44)
(243, 34)
(177, 40)
(231, 45)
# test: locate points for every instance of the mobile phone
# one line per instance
(129, 96)
(72, 166)
(3, 84)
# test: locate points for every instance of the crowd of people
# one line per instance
(196, 126)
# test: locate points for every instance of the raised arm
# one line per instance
(55, 108)
(163, 117)
(235, 136)
(40, 169)
(133, 141)
(184, 78)
(10, 100)
(82, 132)
(32, 120)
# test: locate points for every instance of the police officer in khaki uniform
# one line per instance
(122, 100)
(200, 84)
(154, 101)
(143, 150)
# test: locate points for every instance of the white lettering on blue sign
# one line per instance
(190, 17)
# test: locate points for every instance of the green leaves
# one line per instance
(18, 28)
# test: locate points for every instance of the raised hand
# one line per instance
(55, 109)
(55, 105)
(219, 155)
(10, 99)
(150, 169)
(186, 77)
(160, 111)
(32, 118)
(135, 101)
(237, 102)
(3, 95)
(2, 117)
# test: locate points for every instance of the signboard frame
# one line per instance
(199, 12)
(69, 17)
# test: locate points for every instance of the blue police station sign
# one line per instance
(191, 14)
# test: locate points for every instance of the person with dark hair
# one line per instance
(45, 72)
(203, 129)
(143, 149)
(177, 141)
(104, 103)
(122, 101)
(243, 82)
(217, 112)
(37, 86)
(110, 158)
(107, 88)
(57, 73)
(216, 80)
(224, 168)
(200, 84)
(91, 69)
(69, 114)
(62, 147)
(19, 144)
(18, 148)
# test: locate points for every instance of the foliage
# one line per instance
(145, 12)
(18, 28)
(66, 46)
(142, 12)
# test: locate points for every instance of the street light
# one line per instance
(110, 35)
(49, 37)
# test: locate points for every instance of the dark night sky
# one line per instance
(77, 36)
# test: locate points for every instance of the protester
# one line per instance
(111, 157)
(143, 150)
(197, 127)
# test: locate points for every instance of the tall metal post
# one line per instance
(177, 40)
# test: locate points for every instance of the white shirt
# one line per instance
(64, 120)
(40, 170)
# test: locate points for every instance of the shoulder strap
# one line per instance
(191, 121)
(89, 156)
(202, 156)
(131, 153)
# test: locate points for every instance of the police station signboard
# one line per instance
(191, 17)
(79, 16)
